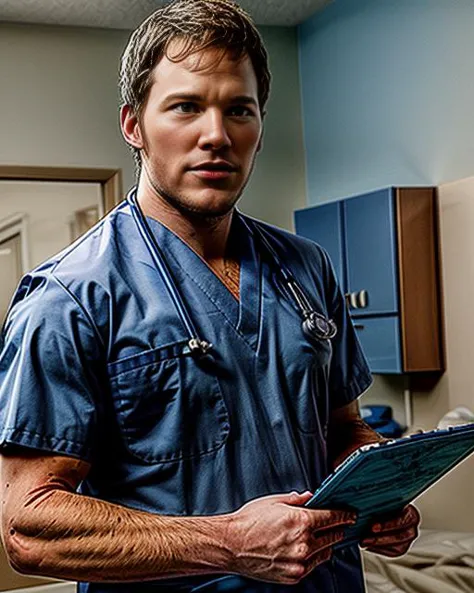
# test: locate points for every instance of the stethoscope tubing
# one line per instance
(315, 325)
(163, 268)
(294, 288)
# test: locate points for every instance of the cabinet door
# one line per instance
(380, 341)
(371, 263)
(322, 224)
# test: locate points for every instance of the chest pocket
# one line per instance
(169, 404)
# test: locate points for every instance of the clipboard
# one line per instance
(382, 478)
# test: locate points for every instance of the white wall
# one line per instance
(448, 505)
(278, 185)
(58, 99)
(59, 107)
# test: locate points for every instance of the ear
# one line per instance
(260, 142)
(131, 127)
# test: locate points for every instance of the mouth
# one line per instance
(214, 169)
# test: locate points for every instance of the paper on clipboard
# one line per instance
(382, 478)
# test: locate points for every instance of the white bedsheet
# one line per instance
(438, 562)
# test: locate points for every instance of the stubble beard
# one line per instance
(192, 212)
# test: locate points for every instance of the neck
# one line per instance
(206, 236)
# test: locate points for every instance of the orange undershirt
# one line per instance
(231, 277)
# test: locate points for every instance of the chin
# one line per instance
(203, 212)
(208, 208)
(199, 204)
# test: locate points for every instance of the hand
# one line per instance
(274, 539)
(394, 536)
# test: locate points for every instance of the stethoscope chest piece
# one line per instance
(316, 327)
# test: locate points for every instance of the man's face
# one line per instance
(200, 131)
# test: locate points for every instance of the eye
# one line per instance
(185, 107)
(240, 111)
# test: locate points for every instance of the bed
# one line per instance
(438, 562)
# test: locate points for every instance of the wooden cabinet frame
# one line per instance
(420, 291)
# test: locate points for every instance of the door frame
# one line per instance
(17, 224)
(110, 180)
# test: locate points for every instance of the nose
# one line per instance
(214, 134)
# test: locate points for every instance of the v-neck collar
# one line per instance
(244, 315)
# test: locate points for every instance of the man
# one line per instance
(159, 364)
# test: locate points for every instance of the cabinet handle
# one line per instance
(357, 300)
(363, 298)
(359, 326)
(353, 300)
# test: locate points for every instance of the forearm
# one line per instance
(346, 437)
(65, 535)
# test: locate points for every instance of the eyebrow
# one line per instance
(194, 97)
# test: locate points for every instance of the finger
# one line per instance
(301, 498)
(323, 520)
(300, 563)
(294, 498)
(318, 558)
(407, 518)
(393, 539)
(394, 536)
(326, 540)
(294, 572)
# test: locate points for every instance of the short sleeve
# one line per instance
(349, 373)
(50, 365)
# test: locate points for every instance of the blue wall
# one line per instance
(388, 94)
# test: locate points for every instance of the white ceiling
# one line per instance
(127, 14)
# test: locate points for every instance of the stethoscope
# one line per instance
(316, 327)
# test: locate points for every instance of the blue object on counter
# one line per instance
(380, 418)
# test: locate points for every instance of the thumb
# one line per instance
(295, 498)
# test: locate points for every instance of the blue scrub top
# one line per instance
(94, 365)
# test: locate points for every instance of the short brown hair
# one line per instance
(199, 24)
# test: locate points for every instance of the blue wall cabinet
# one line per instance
(371, 249)
(385, 249)
(327, 226)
